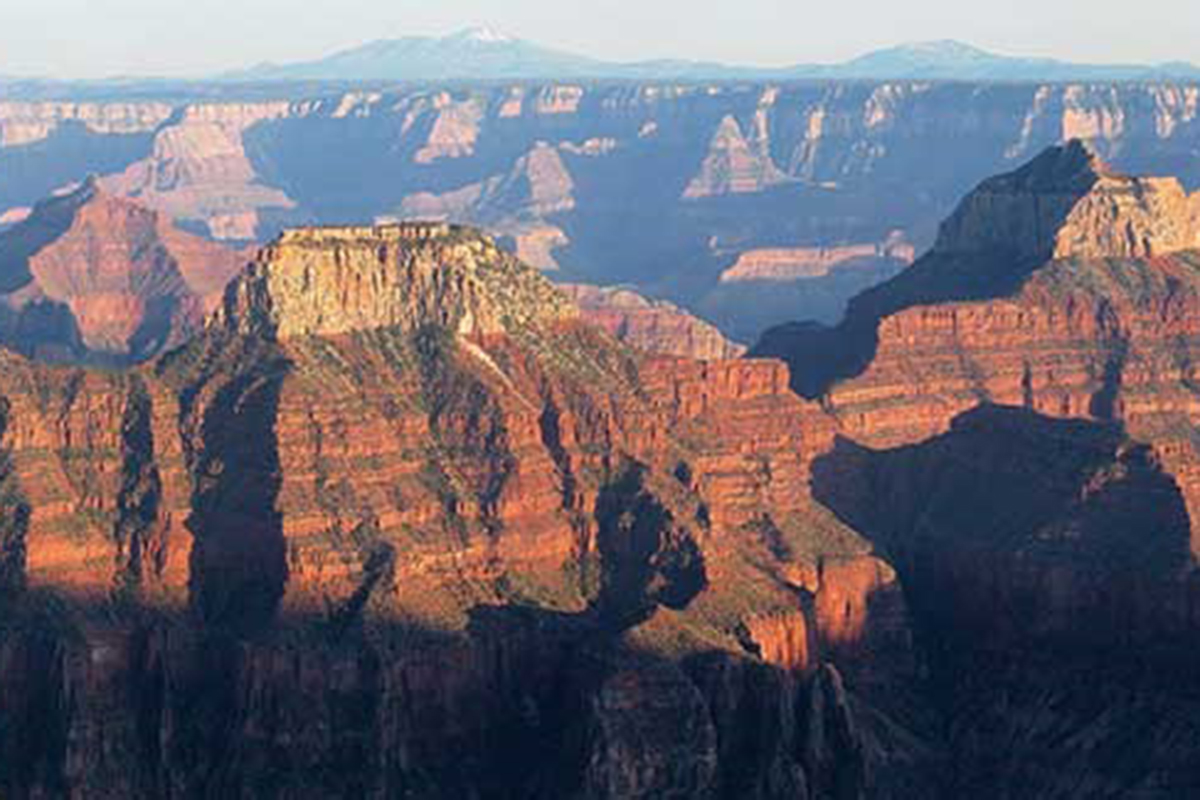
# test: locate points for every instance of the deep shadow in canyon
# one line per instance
(1048, 568)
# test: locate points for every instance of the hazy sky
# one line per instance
(94, 38)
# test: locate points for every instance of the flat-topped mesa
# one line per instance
(328, 281)
(1067, 203)
(323, 235)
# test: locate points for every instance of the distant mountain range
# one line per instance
(480, 54)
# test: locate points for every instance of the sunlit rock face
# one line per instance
(1085, 310)
(650, 325)
(89, 277)
(198, 170)
(398, 495)
(1068, 204)
(331, 281)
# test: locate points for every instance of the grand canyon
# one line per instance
(751, 203)
(400, 518)
(661, 430)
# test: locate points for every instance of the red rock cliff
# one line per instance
(94, 277)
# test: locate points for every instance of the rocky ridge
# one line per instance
(326, 282)
(398, 526)
(92, 277)
(805, 263)
(397, 461)
(655, 326)
(1068, 204)
(1017, 423)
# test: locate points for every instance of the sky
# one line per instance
(105, 38)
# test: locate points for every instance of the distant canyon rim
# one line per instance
(748, 204)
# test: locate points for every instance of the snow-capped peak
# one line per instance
(483, 35)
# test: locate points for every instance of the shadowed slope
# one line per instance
(1048, 566)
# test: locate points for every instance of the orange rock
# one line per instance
(653, 326)
(129, 284)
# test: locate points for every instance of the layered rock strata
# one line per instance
(653, 326)
(751, 167)
(1017, 425)
(92, 277)
(396, 499)
(399, 500)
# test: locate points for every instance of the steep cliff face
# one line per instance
(397, 502)
(782, 265)
(329, 282)
(1060, 249)
(537, 186)
(198, 171)
(92, 277)
(517, 205)
(735, 164)
(1017, 422)
(1089, 317)
(719, 171)
(1049, 568)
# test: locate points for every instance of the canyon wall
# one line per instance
(719, 172)
(399, 500)
(1017, 423)
(398, 521)
(92, 278)
(653, 326)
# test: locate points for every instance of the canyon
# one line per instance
(397, 502)
(722, 173)
(1017, 417)
(90, 277)
(399, 517)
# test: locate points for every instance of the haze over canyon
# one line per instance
(637, 437)
(750, 204)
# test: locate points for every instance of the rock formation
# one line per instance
(514, 205)
(1017, 436)
(397, 498)
(399, 502)
(734, 164)
(332, 281)
(91, 277)
(85, 256)
(199, 170)
(653, 326)
(801, 263)
(776, 168)
(1068, 204)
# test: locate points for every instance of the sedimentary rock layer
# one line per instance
(92, 277)
(653, 326)
(1017, 422)
(397, 460)
(399, 500)
(717, 171)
